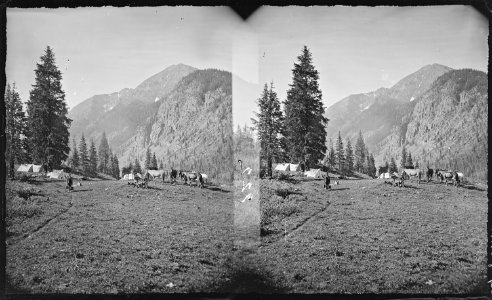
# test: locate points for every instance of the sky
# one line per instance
(105, 49)
(360, 49)
(355, 49)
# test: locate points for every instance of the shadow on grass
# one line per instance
(338, 189)
(216, 189)
(472, 187)
(76, 191)
(248, 280)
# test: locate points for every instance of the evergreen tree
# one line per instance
(409, 159)
(305, 124)
(148, 159)
(372, 166)
(136, 167)
(83, 155)
(154, 162)
(75, 156)
(386, 166)
(359, 153)
(349, 158)
(331, 156)
(115, 167)
(161, 166)
(268, 126)
(403, 158)
(47, 115)
(104, 155)
(393, 167)
(339, 155)
(92, 159)
(14, 129)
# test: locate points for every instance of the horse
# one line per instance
(412, 173)
(188, 176)
(205, 177)
(446, 175)
(430, 174)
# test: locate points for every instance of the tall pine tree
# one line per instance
(339, 155)
(148, 159)
(47, 119)
(136, 167)
(154, 162)
(83, 155)
(305, 123)
(74, 161)
(359, 153)
(15, 128)
(104, 155)
(349, 158)
(403, 158)
(393, 167)
(268, 126)
(115, 167)
(409, 160)
(92, 159)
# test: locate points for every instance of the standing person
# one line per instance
(69, 183)
(327, 182)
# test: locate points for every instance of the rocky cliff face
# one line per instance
(119, 113)
(447, 126)
(191, 128)
(376, 113)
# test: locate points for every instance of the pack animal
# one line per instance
(409, 173)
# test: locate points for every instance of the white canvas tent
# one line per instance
(294, 168)
(58, 174)
(37, 168)
(314, 173)
(128, 177)
(282, 167)
(25, 168)
(385, 176)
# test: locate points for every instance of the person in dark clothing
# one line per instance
(327, 182)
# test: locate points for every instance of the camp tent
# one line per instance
(314, 173)
(37, 168)
(25, 168)
(128, 177)
(58, 174)
(294, 168)
(282, 167)
(385, 176)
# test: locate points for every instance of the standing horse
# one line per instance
(445, 175)
(188, 176)
(412, 173)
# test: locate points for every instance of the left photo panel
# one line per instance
(121, 165)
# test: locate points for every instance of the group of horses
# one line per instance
(456, 178)
(187, 176)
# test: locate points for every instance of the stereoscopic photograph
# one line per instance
(301, 150)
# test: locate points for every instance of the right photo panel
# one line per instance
(371, 128)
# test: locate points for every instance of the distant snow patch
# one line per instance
(156, 99)
(411, 99)
(365, 107)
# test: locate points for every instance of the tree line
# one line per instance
(406, 161)
(298, 132)
(39, 134)
(347, 160)
(88, 161)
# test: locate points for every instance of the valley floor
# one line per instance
(365, 236)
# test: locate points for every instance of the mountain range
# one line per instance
(437, 113)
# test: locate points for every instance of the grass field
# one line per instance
(110, 237)
(365, 236)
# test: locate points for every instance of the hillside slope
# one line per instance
(377, 112)
(447, 128)
(119, 113)
(192, 127)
